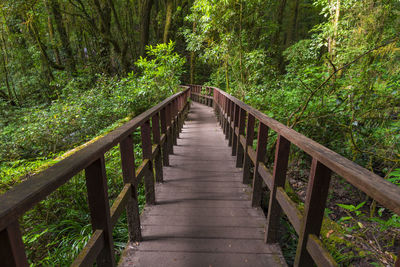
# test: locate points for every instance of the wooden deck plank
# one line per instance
(203, 215)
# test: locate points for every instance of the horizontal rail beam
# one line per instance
(373, 185)
(24, 196)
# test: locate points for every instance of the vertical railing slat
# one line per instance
(317, 193)
(239, 147)
(147, 154)
(96, 183)
(12, 250)
(235, 125)
(262, 140)
(155, 122)
(163, 114)
(249, 142)
(279, 178)
(129, 176)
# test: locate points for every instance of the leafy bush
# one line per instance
(34, 138)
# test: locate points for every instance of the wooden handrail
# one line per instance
(233, 114)
(15, 202)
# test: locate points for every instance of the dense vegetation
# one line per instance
(72, 70)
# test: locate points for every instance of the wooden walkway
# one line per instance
(203, 215)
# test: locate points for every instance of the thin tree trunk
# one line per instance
(192, 58)
(51, 34)
(66, 46)
(292, 36)
(6, 72)
(145, 25)
(168, 18)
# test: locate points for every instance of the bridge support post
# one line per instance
(262, 140)
(129, 176)
(175, 122)
(96, 183)
(235, 126)
(249, 142)
(155, 121)
(12, 250)
(317, 193)
(239, 147)
(170, 130)
(279, 178)
(147, 154)
(165, 146)
(231, 128)
(228, 118)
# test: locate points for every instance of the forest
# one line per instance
(73, 70)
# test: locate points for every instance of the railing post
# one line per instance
(262, 140)
(317, 193)
(155, 121)
(174, 123)
(228, 119)
(164, 131)
(249, 142)
(235, 125)
(169, 129)
(12, 250)
(96, 183)
(129, 176)
(279, 178)
(231, 128)
(226, 111)
(239, 147)
(147, 154)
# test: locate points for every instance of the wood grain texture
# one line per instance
(373, 185)
(203, 212)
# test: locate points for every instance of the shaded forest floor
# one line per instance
(356, 230)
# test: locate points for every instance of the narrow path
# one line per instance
(203, 215)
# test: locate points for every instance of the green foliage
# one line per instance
(394, 177)
(33, 138)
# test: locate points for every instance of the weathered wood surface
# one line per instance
(203, 214)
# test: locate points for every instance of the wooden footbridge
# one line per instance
(205, 207)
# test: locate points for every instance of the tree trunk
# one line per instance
(168, 18)
(192, 59)
(6, 73)
(292, 36)
(51, 35)
(145, 25)
(66, 46)
(277, 42)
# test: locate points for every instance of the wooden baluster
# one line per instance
(317, 193)
(174, 123)
(129, 176)
(228, 118)
(231, 128)
(96, 183)
(262, 140)
(235, 125)
(178, 119)
(221, 113)
(249, 142)
(169, 129)
(164, 131)
(12, 250)
(226, 110)
(156, 139)
(239, 147)
(147, 154)
(279, 178)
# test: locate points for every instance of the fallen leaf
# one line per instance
(329, 233)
